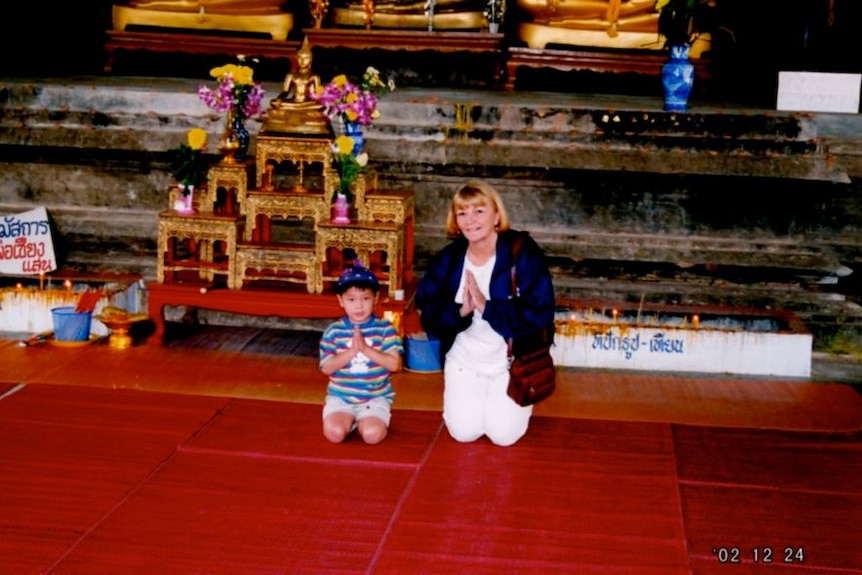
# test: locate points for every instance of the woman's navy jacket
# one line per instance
(526, 317)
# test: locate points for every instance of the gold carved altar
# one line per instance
(228, 240)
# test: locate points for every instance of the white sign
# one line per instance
(818, 92)
(687, 349)
(25, 243)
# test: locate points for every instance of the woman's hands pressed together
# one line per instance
(474, 299)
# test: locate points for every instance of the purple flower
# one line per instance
(350, 102)
(235, 91)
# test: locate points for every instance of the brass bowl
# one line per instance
(120, 326)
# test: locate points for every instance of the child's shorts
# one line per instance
(378, 407)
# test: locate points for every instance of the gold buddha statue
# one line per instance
(599, 23)
(410, 14)
(294, 110)
(254, 16)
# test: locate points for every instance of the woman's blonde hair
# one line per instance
(476, 194)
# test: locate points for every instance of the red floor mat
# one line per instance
(280, 429)
(762, 499)
(573, 496)
(98, 481)
(216, 513)
(70, 455)
(260, 490)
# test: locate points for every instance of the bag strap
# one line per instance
(517, 242)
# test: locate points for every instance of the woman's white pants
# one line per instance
(476, 404)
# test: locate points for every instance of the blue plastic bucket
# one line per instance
(422, 353)
(71, 325)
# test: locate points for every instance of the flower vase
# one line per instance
(677, 76)
(340, 210)
(243, 137)
(184, 204)
(354, 130)
(234, 140)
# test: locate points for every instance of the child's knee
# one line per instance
(335, 431)
(372, 430)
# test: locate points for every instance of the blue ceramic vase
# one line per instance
(677, 76)
(354, 130)
(242, 136)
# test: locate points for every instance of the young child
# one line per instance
(358, 353)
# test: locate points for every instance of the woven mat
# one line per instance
(181, 484)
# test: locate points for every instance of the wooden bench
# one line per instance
(643, 62)
(265, 302)
(443, 42)
(198, 44)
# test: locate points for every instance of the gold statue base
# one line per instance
(444, 21)
(308, 122)
(276, 25)
(539, 36)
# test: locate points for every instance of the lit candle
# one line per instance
(695, 321)
(615, 312)
(19, 285)
(68, 285)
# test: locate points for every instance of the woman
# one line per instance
(465, 300)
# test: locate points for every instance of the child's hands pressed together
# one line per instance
(359, 344)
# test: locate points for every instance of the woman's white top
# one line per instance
(479, 347)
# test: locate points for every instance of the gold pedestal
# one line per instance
(366, 239)
(540, 35)
(300, 151)
(354, 17)
(233, 178)
(277, 25)
(120, 339)
(211, 243)
(120, 327)
(264, 206)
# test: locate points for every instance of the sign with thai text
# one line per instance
(684, 348)
(25, 243)
(818, 92)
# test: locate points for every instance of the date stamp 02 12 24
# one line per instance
(786, 555)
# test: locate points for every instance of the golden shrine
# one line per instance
(228, 243)
(224, 255)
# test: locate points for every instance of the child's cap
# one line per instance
(356, 276)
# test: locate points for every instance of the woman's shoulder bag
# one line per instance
(533, 375)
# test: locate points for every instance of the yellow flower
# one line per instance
(197, 138)
(240, 74)
(219, 72)
(347, 165)
(339, 81)
(188, 164)
(243, 75)
(344, 144)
